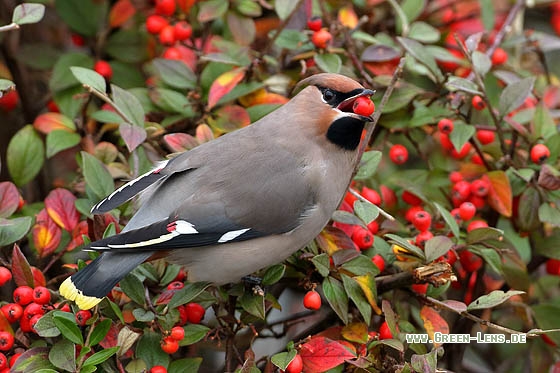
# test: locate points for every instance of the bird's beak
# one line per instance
(346, 106)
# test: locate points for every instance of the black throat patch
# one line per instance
(346, 132)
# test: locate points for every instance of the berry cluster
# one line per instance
(168, 28)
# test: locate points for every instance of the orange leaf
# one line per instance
(260, 97)
(121, 12)
(46, 234)
(48, 122)
(356, 332)
(60, 207)
(347, 17)
(21, 269)
(203, 133)
(321, 354)
(77, 235)
(433, 322)
(223, 85)
(499, 194)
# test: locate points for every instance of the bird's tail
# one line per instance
(91, 284)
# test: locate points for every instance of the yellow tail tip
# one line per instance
(69, 291)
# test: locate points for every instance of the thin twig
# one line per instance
(357, 194)
(10, 27)
(106, 99)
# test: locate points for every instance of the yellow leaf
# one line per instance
(367, 284)
(356, 332)
(347, 17)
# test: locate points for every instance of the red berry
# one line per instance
(553, 267)
(445, 142)
(5, 276)
(363, 106)
(172, 53)
(362, 238)
(78, 40)
(539, 153)
(52, 107)
(181, 275)
(463, 152)
(479, 187)
(445, 126)
(183, 317)
(475, 159)
(165, 7)
(478, 103)
(455, 177)
(422, 237)
(371, 195)
(169, 345)
(546, 339)
(9, 100)
(470, 262)
(419, 288)
(499, 56)
(373, 227)
(384, 331)
(6, 341)
(14, 358)
(476, 224)
(467, 211)
(155, 23)
(314, 23)
(410, 198)
(422, 221)
(456, 214)
(388, 196)
(485, 136)
(34, 321)
(312, 300)
(23, 295)
(12, 311)
(177, 333)
(296, 365)
(398, 154)
(41, 295)
(182, 31)
(3, 361)
(321, 38)
(350, 199)
(195, 313)
(175, 285)
(379, 262)
(104, 69)
(82, 317)
(409, 215)
(461, 190)
(158, 369)
(167, 35)
(31, 310)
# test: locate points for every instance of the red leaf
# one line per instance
(38, 277)
(111, 337)
(48, 122)
(46, 234)
(9, 199)
(21, 271)
(77, 235)
(179, 142)
(433, 322)
(132, 135)
(60, 207)
(500, 197)
(230, 118)
(223, 85)
(321, 354)
(165, 296)
(121, 12)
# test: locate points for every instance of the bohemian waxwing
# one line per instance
(239, 203)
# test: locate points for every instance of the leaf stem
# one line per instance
(106, 99)
(10, 27)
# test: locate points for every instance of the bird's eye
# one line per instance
(328, 95)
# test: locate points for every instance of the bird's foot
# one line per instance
(254, 283)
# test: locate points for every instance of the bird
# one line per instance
(241, 202)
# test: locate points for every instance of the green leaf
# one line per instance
(84, 16)
(211, 10)
(100, 356)
(273, 274)
(484, 234)
(487, 14)
(360, 265)
(423, 32)
(493, 299)
(355, 293)
(284, 7)
(28, 13)
(96, 176)
(401, 97)
(193, 334)
(436, 247)
(346, 218)
(134, 288)
(188, 293)
(283, 359)
(290, 39)
(253, 304)
(529, 202)
(481, 63)
(12, 230)
(454, 83)
(59, 140)
(337, 298)
(175, 73)
(461, 134)
(448, 218)
(62, 78)
(106, 116)
(63, 355)
(6, 84)
(128, 45)
(514, 95)
(172, 101)
(66, 323)
(366, 211)
(422, 55)
(328, 62)
(492, 258)
(185, 365)
(143, 315)
(136, 366)
(543, 123)
(129, 105)
(46, 327)
(149, 349)
(322, 263)
(547, 316)
(90, 78)
(549, 214)
(25, 155)
(393, 238)
(368, 164)
(99, 332)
